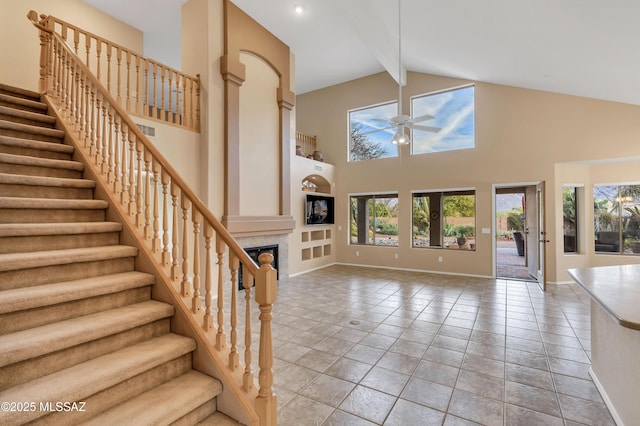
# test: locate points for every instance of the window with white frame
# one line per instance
(453, 112)
(616, 212)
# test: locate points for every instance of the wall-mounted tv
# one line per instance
(319, 209)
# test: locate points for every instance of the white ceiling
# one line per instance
(580, 47)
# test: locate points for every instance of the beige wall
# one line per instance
(259, 145)
(202, 47)
(521, 135)
(20, 45)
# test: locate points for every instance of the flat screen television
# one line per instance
(319, 209)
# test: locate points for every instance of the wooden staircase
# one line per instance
(77, 321)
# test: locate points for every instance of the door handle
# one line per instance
(545, 241)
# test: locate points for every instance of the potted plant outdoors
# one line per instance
(462, 232)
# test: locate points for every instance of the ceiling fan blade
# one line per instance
(381, 120)
(377, 130)
(421, 118)
(423, 128)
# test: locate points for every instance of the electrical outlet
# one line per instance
(339, 227)
(396, 255)
(439, 258)
(357, 253)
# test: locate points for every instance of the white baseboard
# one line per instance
(605, 398)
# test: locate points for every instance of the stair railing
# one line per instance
(182, 235)
(142, 86)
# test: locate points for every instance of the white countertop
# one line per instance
(616, 289)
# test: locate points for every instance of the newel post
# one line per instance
(266, 289)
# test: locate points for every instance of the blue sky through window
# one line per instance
(454, 114)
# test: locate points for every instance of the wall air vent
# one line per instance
(147, 130)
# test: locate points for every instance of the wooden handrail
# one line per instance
(175, 226)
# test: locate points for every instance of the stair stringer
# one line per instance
(234, 401)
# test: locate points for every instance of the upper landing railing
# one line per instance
(141, 86)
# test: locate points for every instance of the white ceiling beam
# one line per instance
(375, 22)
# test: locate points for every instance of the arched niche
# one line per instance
(316, 183)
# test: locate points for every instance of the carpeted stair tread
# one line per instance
(47, 203)
(61, 292)
(27, 115)
(22, 102)
(33, 144)
(77, 383)
(71, 228)
(26, 160)
(20, 92)
(37, 341)
(11, 179)
(15, 261)
(28, 128)
(179, 396)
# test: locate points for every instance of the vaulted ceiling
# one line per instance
(579, 47)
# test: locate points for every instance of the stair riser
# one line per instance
(33, 152)
(19, 93)
(31, 191)
(120, 392)
(21, 107)
(57, 242)
(30, 136)
(23, 169)
(45, 122)
(58, 273)
(22, 320)
(22, 372)
(50, 215)
(197, 415)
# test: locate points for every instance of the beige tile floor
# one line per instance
(364, 346)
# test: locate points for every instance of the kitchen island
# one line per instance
(615, 336)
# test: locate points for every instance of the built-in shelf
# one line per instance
(316, 243)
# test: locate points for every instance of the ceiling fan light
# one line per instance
(400, 138)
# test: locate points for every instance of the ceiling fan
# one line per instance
(401, 122)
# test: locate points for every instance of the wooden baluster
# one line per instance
(266, 288)
(104, 167)
(117, 168)
(119, 70)
(87, 47)
(190, 104)
(175, 266)
(154, 108)
(65, 85)
(75, 110)
(87, 113)
(139, 191)
(171, 115)
(146, 88)
(208, 296)
(110, 173)
(98, 58)
(133, 208)
(196, 302)
(196, 125)
(234, 357)
(76, 40)
(148, 227)
(108, 67)
(155, 242)
(124, 148)
(56, 68)
(221, 339)
(166, 256)
(247, 378)
(98, 156)
(163, 107)
(185, 287)
(137, 84)
(128, 98)
(92, 126)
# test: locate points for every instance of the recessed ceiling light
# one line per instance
(298, 9)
